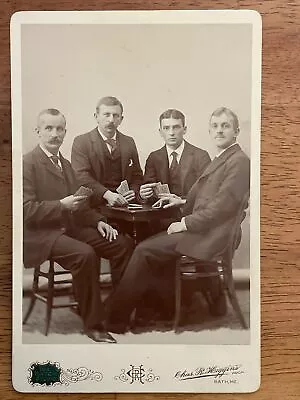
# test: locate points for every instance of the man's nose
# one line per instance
(110, 117)
(54, 132)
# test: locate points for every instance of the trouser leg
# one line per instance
(118, 251)
(81, 260)
(150, 255)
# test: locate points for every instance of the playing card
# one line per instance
(123, 188)
(83, 191)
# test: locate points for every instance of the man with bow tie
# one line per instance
(206, 220)
(104, 157)
(60, 225)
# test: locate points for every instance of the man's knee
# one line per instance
(125, 243)
(87, 253)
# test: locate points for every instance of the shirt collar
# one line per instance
(179, 150)
(104, 137)
(222, 151)
(48, 154)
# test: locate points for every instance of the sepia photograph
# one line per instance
(136, 188)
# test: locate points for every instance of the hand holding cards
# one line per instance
(161, 189)
(123, 188)
(156, 188)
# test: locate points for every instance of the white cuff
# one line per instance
(183, 223)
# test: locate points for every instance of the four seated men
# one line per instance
(61, 225)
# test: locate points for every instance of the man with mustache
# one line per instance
(60, 225)
(206, 219)
(104, 157)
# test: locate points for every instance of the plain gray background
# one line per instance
(195, 68)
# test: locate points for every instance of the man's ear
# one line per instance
(37, 131)
(184, 130)
(237, 131)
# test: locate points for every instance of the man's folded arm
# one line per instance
(82, 167)
(226, 201)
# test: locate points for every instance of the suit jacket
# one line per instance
(88, 162)
(212, 204)
(44, 217)
(192, 163)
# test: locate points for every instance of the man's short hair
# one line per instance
(49, 111)
(172, 113)
(109, 101)
(228, 112)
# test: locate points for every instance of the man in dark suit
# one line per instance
(104, 157)
(178, 163)
(61, 226)
(207, 216)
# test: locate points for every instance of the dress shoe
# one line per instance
(100, 336)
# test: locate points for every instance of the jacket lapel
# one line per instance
(68, 175)
(125, 152)
(97, 146)
(185, 163)
(43, 159)
(163, 167)
(218, 161)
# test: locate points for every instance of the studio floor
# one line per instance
(197, 327)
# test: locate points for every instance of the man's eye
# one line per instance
(60, 129)
(48, 128)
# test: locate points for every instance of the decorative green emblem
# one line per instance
(50, 374)
(45, 374)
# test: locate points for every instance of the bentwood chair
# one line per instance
(220, 267)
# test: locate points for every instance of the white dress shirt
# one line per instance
(178, 151)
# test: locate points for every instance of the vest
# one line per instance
(113, 167)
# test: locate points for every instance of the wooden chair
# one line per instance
(220, 267)
(56, 287)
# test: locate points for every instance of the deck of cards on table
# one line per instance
(208, 65)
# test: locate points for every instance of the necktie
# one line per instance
(174, 162)
(112, 143)
(55, 162)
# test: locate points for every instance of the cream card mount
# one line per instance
(194, 61)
